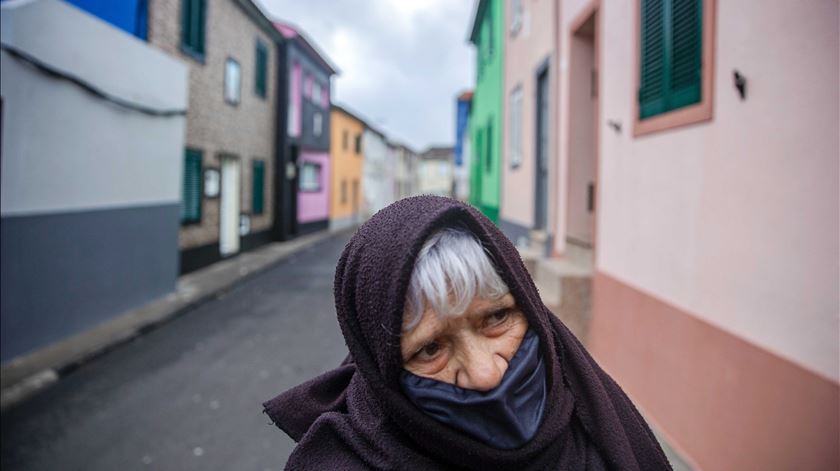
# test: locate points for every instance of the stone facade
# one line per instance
(215, 127)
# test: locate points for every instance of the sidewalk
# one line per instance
(27, 374)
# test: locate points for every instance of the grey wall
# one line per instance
(90, 190)
(62, 273)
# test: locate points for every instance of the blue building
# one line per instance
(462, 151)
(130, 16)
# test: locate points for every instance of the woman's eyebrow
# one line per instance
(500, 305)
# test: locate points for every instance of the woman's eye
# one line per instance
(498, 317)
(429, 351)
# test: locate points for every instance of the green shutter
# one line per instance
(193, 14)
(201, 18)
(262, 60)
(653, 66)
(192, 188)
(686, 41)
(257, 187)
(671, 51)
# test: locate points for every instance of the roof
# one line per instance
(344, 109)
(259, 18)
(400, 145)
(349, 113)
(293, 33)
(438, 153)
(476, 21)
(466, 96)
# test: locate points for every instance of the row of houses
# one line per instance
(146, 139)
(669, 170)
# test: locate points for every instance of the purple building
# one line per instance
(303, 170)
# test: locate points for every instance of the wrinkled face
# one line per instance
(472, 350)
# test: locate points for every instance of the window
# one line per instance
(310, 177)
(294, 101)
(232, 82)
(671, 48)
(261, 70)
(316, 91)
(317, 124)
(345, 139)
(307, 86)
(515, 16)
(515, 127)
(489, 147)
(358, 143)
(257, 186)
(325, 97)
(479, 148)
(193, 13)
(192, 188)
(343, 191)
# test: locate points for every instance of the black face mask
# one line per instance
(505, 417)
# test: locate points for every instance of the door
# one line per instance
(229, 207)
(541, 184)
(583, 138)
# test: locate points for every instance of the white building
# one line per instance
(92, 152)
(377, 172)
(405, 171)
(435, 175)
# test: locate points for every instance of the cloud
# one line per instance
(402, 62)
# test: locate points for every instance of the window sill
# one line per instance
(192, 54)
(692, 114)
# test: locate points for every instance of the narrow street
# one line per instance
(188, 395)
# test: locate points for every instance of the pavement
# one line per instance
(188, 395)
(26, 375)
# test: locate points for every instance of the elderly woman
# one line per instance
(455, 363)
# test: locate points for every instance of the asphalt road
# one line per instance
(188, 395)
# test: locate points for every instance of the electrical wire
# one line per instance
(92, 89)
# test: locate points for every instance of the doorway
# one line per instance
(583, 144)
(229, 207)
(542, 136)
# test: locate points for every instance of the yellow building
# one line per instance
(347, 155)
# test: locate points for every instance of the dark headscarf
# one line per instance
(356, 416)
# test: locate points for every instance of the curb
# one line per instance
(25, 375)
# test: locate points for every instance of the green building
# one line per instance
(486, 114)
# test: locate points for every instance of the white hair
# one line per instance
(451, 269)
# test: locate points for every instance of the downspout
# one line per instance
(280, 182)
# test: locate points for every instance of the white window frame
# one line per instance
(233, 81)
(515, 124)
(317, 92)
(310, 177)
(515, 16)
(317, 124)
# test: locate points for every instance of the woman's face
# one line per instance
(472, 350)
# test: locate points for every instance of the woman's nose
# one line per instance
(481, 369)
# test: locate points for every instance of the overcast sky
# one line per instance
(401, 62)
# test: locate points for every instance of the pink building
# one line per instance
(715, 286)
(528, 212)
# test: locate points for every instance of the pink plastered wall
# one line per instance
(525, 51)
(734, 219)
(314, 205)
(295, 101)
